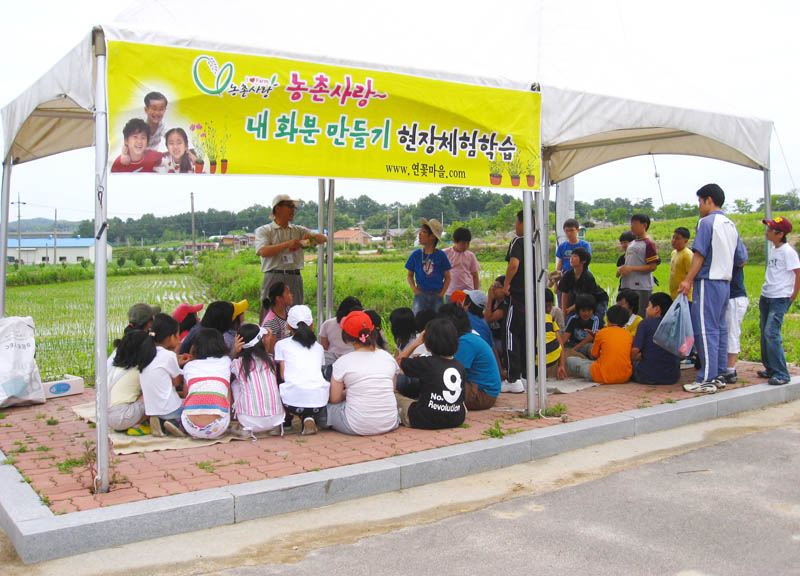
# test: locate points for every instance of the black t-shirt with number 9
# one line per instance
(441, 395)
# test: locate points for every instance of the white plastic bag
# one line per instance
(675, 333)
(20, 382)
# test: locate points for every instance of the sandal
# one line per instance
(140, 430)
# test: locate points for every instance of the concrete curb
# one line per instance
(38, 535)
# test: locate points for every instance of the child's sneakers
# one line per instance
(517, 387)
(702, 387)
(174, 429)
(155, 426)
(309, 426)
(140, 430)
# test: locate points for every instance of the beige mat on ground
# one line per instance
(568, 385)
(124, 444)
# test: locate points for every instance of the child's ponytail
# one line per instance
(304, 335)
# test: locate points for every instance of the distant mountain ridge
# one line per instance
(42, 225)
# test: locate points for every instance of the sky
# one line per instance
(728, 56)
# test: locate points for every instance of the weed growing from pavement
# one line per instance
(66, 466)
(495, 431)
(463, 425)
(40, 416)
(242, 462)
(45, 500)
(2, 414)
(51, 421)
(43, 448)
(556, 411)
(669, 401)
(9, 460)
(207, 466)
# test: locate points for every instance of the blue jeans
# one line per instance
(427, 301)
(770, 321)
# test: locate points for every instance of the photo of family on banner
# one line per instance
(198, 110)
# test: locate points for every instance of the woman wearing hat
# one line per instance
(428, 269)
(362, 400)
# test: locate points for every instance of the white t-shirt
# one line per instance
(779, 277)
(124, 387)
(368, 376)
(158, 391)
(208, 368)
(304, 386)
(332, 331)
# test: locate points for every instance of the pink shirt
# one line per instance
(464, 264)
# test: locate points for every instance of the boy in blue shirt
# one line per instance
(428, 269)
(651, 363)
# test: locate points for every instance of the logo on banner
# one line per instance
(222, 76)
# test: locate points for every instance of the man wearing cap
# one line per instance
(781, 284)
(280, 245)
(428, 269)
(716, 250)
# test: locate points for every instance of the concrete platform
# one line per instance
(38, 534)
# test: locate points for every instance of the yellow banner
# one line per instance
(174, 110)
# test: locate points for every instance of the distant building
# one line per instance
(202, 246)
(68, 250)
(356, 236)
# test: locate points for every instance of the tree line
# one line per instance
(479, 209)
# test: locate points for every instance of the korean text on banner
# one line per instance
(217, 112)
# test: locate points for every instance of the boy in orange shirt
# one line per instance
(612, 348)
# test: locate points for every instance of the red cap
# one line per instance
(355, 323)
(184, 309)
(458, 296)
(780, 224)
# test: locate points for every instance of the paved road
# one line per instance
(718, 497)
(732, 508)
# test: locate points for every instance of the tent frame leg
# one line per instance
(6, 204)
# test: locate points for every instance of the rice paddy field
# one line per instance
(64, 313)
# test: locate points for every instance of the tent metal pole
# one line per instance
(527, 259)
(329, 245)
(540, 270)
(767, 201)
(100, 269)
(320, 254)
(6, 199)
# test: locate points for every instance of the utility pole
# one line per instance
(398, 217)
(55, 234)
(19, 230)
(194, 238)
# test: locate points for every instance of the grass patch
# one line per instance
(2, 414)
(669, 401)
(556, 411)
(463, 425)
(207, 465)
(66, 466)
(9, 460)
(43, 448)
(51, 421)
(242, 462)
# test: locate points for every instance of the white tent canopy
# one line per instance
(580, 130)
(66, 110)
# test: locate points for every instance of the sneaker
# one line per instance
(687, 364)
(764, 373)
(701, 387)
(174, 429)
(516, 387)
(309, 426)
(729, 377)
(778, 381)
(155, 426)
(236, 430)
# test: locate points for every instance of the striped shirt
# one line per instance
(207, 382)
(552, 346)
(257, 393)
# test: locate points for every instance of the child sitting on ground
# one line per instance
(300, 361)
(652, 364)
(207, 407)
(160, 378)
(629, 300)
(380, 337)
(330, 333)
(186, 316)
(612, 348)
(256, 398)
(362, 398)
(125, 403)
(579, 280)
(555, 313)
(442, 380)
(582, 326)
(482, 384)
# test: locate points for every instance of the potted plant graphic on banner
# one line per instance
(514, 169)
(496, 169)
